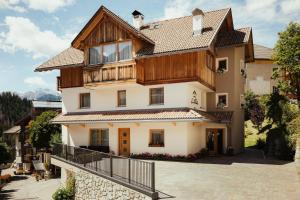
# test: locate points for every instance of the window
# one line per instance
(242, 101)
(156, 96)
(157, 138)
(121, 98)
(125, 50)
(242, 67)
(99, 137)
(85, 101)
(222, 64)
(95, 55)
(222, 100)
(109, 53)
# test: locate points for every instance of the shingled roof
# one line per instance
(69, 57)
(262, 52)
(174, 35)
(177, 34)
(178, 114)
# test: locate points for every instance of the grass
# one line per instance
(251, 134)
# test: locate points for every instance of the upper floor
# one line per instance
(109, 51)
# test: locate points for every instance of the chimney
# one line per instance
(197, 21)
(138, 19)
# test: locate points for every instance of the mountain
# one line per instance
(42, 95)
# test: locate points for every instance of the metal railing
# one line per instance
(131, 171)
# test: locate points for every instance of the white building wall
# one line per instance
(181, 138)
(137, 97)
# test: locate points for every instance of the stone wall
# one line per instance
(92, 187)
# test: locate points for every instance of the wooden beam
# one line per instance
(110, 124)
(199, 123)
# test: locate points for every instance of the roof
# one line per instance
(69, 57)
(47, 104)
(177, 34)
(15, 129)
(262, 52)
(174, 114)
(238, 36)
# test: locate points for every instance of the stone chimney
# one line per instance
(198, 16)
(138, 19)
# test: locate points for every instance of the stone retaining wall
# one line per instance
(92, 187)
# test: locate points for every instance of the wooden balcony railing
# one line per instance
(207, 77)
(109, 74)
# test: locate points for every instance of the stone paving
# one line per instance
(241, 177)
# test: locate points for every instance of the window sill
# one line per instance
(157, 104)
(156, 145)
(84, 108)
(121, 106)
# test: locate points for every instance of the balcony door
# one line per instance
(124, 141)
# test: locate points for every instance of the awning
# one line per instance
(144, 115)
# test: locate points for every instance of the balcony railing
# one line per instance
(137, 173)
(108, 74)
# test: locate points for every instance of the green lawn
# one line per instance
(251, 134)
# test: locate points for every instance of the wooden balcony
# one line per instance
(109, 74)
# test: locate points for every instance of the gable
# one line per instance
(102, 14)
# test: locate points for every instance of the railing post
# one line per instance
(111, 166)
(153, 176)
(129, 170)
(66, 150)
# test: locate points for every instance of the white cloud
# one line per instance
(43, 5)
(290, 6)
(24, 35)
(12, 5)
(48, 5)
(35, 81)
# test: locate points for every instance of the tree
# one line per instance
(41, 130)
(287, 56)
(4, 154)
(253, 109)
(12, 109)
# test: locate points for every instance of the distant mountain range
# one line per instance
(42, 95)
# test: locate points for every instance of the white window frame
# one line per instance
(222, 94)
(217, 63)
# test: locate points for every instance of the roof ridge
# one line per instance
(184, 16)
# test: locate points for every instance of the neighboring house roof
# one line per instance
(47, 104)
(262, 52)
(15, 129)
(69, 57)
(236, 37)
(178, 114)
(177, 34)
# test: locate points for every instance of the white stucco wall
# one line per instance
(181, 138)
(137, 97)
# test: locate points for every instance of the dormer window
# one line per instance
(110, 53)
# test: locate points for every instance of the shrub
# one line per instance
(70, 185)
(260, 143)
(62, 194)
(5, 178)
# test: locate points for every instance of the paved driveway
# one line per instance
(27, 188)
(242, 177)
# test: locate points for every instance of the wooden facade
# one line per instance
(195, 66)
(70, 77)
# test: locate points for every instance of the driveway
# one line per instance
(27, 188)
(246, 176)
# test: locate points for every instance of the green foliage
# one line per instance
(4, 153)
(41, 130)
(294, 131)
(55, 138)
(70, 185)
(253, 109)
(275, 107)
(12, 109)
(62, 194)
(287, 56)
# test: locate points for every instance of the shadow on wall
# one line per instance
(248, 156)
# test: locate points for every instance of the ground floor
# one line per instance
(174, 137)
(245, 176)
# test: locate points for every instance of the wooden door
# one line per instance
(212, 141)
(124, 141)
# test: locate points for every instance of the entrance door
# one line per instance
(124, 141)
(214, 141)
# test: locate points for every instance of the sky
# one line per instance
(32, 31)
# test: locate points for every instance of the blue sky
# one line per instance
(31, 31)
